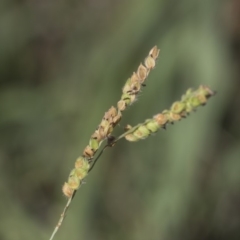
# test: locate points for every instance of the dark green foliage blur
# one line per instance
(63, 64)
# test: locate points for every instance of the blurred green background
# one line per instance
(63, 64)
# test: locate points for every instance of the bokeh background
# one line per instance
(63, 64)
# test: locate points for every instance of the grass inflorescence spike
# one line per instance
(188, 103)
(133, 85)
(180, 109)
(110, 119)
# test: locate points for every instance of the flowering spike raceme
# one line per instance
(110, 119)
(180, 109)
(189, 102)
(83, 163)
(134, 84)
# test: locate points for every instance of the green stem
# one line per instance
(62, 217)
